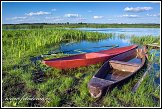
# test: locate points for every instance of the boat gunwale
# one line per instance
(76, 59)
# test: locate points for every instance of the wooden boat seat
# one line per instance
(124, 66)
(125, 63)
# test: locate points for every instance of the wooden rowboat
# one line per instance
(116, 70)
(86, 59)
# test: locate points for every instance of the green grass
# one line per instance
(80, 25)
(22, 78)
(142, 40)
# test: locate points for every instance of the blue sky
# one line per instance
(75, 12)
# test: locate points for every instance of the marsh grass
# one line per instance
(25, 77)
(79, 25)
(145, 40)
(122, 36)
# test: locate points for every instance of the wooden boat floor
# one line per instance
(116, 75)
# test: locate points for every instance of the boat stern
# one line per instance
(97, 87)
(43, 62)
(94, 91)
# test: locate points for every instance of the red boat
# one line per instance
(86, 59)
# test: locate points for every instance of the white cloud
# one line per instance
(137, 9)
(37, 13)
(53, 18)
(153, 15)
(109, 19)
(129, 16)
(20, 20)
(82, 19)
(53, 9)
(72, 15)
(132, 16)
(97, 17)
(16, 18)
(58, 19)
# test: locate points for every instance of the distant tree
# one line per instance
(80, 23)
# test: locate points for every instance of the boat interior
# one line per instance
(94, 55)
(120, 67)
(82, 56)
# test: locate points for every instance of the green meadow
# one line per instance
(26, 82)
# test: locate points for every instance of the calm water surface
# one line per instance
(126, 31)
(114, 41)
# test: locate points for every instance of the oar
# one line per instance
(140, 81)
(55, 53)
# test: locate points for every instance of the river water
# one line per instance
(87, 46)
(126, 31)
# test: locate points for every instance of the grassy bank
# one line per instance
(79, 25)
(30, 83)
(24, 78)
(145, 40)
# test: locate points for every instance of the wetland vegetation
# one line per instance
(27, 82)
(76, 25)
